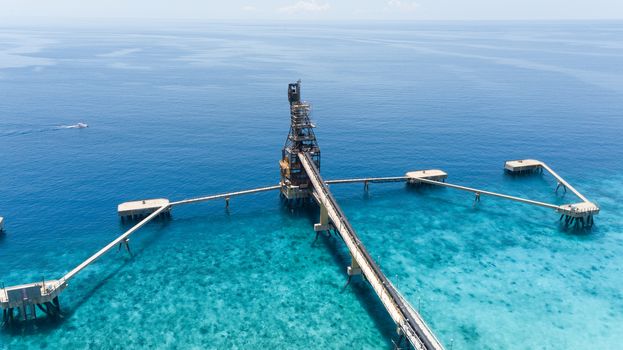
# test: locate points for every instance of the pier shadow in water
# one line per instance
(46, 324)
(591, 232)
(480, 207)
(364, 293)
(336, 248)
(157, 235)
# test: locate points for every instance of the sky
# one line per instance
(37, 11)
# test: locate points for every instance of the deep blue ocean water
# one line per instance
(183, 110)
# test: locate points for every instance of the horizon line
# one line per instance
(73, 21)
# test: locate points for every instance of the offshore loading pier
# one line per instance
(301, 183)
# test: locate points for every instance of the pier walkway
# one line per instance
(44, 294)
(225, 195)
(582, 212)
(443, 184)
(563, 182)
(408, 320)
(489, 193)
(123, 239)
(368, 180)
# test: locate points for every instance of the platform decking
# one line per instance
(521, 165)
(414, 177)
(579, 210)
(406, 318)
(31, 293)
(141, 208)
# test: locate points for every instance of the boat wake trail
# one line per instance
(16, 130)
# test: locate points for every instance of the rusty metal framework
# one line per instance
(294, 181)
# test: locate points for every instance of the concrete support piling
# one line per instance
(354, 268)
(413, 326)
(323, 225)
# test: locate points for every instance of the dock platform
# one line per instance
(522, 166)
(31, 293)
(139, 209)
(580, 213)
(578, 210)
(26, 297)
(414, 177)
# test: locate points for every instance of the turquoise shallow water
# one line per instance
(181, 111)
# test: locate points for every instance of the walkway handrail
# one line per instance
(562, 181)
(411, 309)
(110, 245)
(134, 228)
(328, 195)
(413, 326)
(488, 193)
(368, 179)
(225, 195)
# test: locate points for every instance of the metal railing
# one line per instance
(411, 324)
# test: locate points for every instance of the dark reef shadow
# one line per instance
(579, 231)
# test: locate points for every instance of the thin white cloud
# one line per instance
(17, 49)
(305, 6)
(249, 8)
(8, 60)
(123, 65)
(119, 53)
(407, 6)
